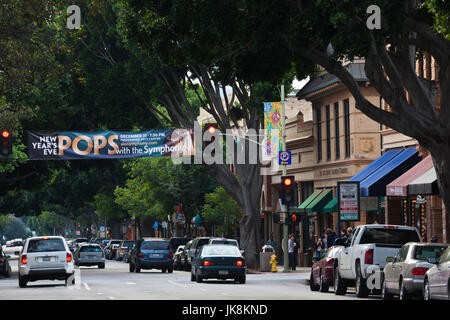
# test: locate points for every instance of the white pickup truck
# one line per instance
(367, 248)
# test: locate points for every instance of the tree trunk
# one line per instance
(441, 160)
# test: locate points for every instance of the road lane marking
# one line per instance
(112, 298)
(86, 286)
(177, 284)
(130, 282)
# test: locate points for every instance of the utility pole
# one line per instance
(283, 207)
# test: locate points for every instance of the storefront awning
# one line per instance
(425, 184)
(399, 187)
(331, 206)
(375, 184)
(301, 208)
(320, 201)
(371, 168)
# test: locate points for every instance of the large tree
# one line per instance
(244, 36)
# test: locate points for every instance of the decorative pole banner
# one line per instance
(272, 124)
(110, 144)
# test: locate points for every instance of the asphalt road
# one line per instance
(115, 282)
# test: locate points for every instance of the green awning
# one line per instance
(320, 201)
(331, 206)
(301, 208)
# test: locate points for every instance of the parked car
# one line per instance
(5, 267)
(123, 248)
(151, 253)
(367, 250)
(437, 279)
(104, 243)
(195, 246)
(175, 242)
(218, 262)
(185, 264)
(45, 258)
(404, 273)
(90, 254)
(177, 257)
(322, 270)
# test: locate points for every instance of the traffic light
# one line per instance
(210, 131)
(288, 192)
(6, 142)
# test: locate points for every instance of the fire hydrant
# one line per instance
(273, 262)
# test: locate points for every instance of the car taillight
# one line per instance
(368, 259)
(103, 254)
(68, 257)
(113, 250)
(24, 259)
(239, 263)
(2, 260)
(140, 255)
(206, 263)
(419, 271)
(170, 255)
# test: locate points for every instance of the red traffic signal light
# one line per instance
(5, 134)
(6, 141)
(287, 182)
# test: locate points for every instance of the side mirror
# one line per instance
(389, 259)
(16, 253)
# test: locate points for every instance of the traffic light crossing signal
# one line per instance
(210, 135)
(6, 142)
(288, 192)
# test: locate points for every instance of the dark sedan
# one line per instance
(218, 262)
(5, 268)
(322, 276)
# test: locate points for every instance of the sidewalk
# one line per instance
(280, 270)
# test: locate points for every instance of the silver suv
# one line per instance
(45, 258)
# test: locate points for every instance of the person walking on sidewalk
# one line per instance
(291, 251)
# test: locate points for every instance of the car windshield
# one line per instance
(230, 242)
(155, 245)
(90, 249)
(220, 250)
(115, 242)
(81, 240)
(127, 243)
(46, 245)
(426, 252)
(389, 236)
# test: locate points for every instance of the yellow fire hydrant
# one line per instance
(273, 262)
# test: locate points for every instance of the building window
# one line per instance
(307, 188)
(336, 130)
(347, 127)
(299, 157)
(328, 128)
(319, 134)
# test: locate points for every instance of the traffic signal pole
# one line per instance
(283, 206)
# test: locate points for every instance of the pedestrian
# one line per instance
(331, 237)
(324, 240)
(344, 234)
(272, 243)
(291, 245)
(296, 248)
(319, 247)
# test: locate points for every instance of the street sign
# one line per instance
(102, 229)
(348, 200)
(102, 234)
(284, 158)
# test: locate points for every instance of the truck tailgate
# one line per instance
(382, 251)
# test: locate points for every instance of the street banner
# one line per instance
(348, 200)
(272, 126)
(110, 144)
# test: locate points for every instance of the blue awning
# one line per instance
(375, 183)
(375, 165)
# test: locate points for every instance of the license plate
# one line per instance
(91, 257)
(223, 271)
(46, 259)
(156, 255)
